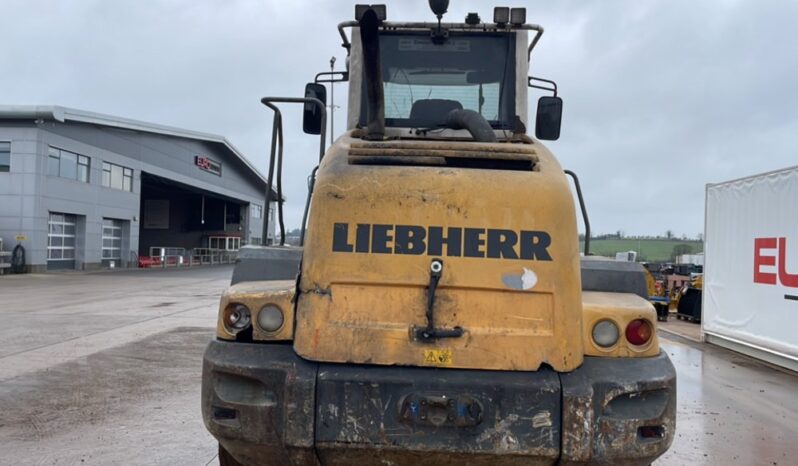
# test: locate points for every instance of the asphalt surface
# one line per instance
(105, 368)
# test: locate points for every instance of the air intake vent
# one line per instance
(495, 156)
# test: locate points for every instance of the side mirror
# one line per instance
(311, 117)
(549, 118)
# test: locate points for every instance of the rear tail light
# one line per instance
(639, 332)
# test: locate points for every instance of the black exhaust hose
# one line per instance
(475, 123)
(372, 68)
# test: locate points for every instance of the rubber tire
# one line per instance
(226, 459)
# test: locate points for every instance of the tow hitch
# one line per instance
(430, 333)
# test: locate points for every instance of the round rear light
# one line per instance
(236, 317)
(270, 318)
(639, 332)
(605, 333)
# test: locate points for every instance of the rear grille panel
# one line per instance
(494, 156)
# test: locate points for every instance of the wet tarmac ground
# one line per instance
(105, 369)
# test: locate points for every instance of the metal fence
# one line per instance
(180, 257)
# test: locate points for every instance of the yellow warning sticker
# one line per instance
(438, 357)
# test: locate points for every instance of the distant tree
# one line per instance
(700, 237)
(669, 234)
(620, 234)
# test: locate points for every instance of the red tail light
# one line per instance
(639, 332)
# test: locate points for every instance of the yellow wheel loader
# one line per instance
(657, 295)
(688, 300)
(439, 311)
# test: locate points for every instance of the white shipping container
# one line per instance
(626, 256)
(750, 297)
(695, 259)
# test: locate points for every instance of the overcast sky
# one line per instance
(661, 97)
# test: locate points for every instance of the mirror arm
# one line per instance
(583, 208)
(270, 101)
(277, 153)
(344, 77)
(311, 185)
(539, 32)
(553, 84)
(276, 130)
(341, 26)
(280, 177)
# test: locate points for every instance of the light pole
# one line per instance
(332, 100)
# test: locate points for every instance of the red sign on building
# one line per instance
(209, 165)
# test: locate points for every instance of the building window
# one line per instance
(117, 177)
(112, 239)
(61, 237)
(67, 164)
(257, 211)
(5, 156)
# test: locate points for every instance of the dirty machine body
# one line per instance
(441, 312)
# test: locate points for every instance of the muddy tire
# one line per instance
(226, 459)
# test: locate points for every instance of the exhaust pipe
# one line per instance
(475, 123)
(370, 38)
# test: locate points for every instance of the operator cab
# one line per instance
(427, 71)
(424, 81)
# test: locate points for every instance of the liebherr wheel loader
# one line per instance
(440, 313)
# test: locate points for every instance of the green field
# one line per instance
(648, 250)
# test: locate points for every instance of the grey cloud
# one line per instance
(661, 97)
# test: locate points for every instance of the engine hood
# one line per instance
(505, 234)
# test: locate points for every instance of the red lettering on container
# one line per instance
(760, 260)
(786, 279)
